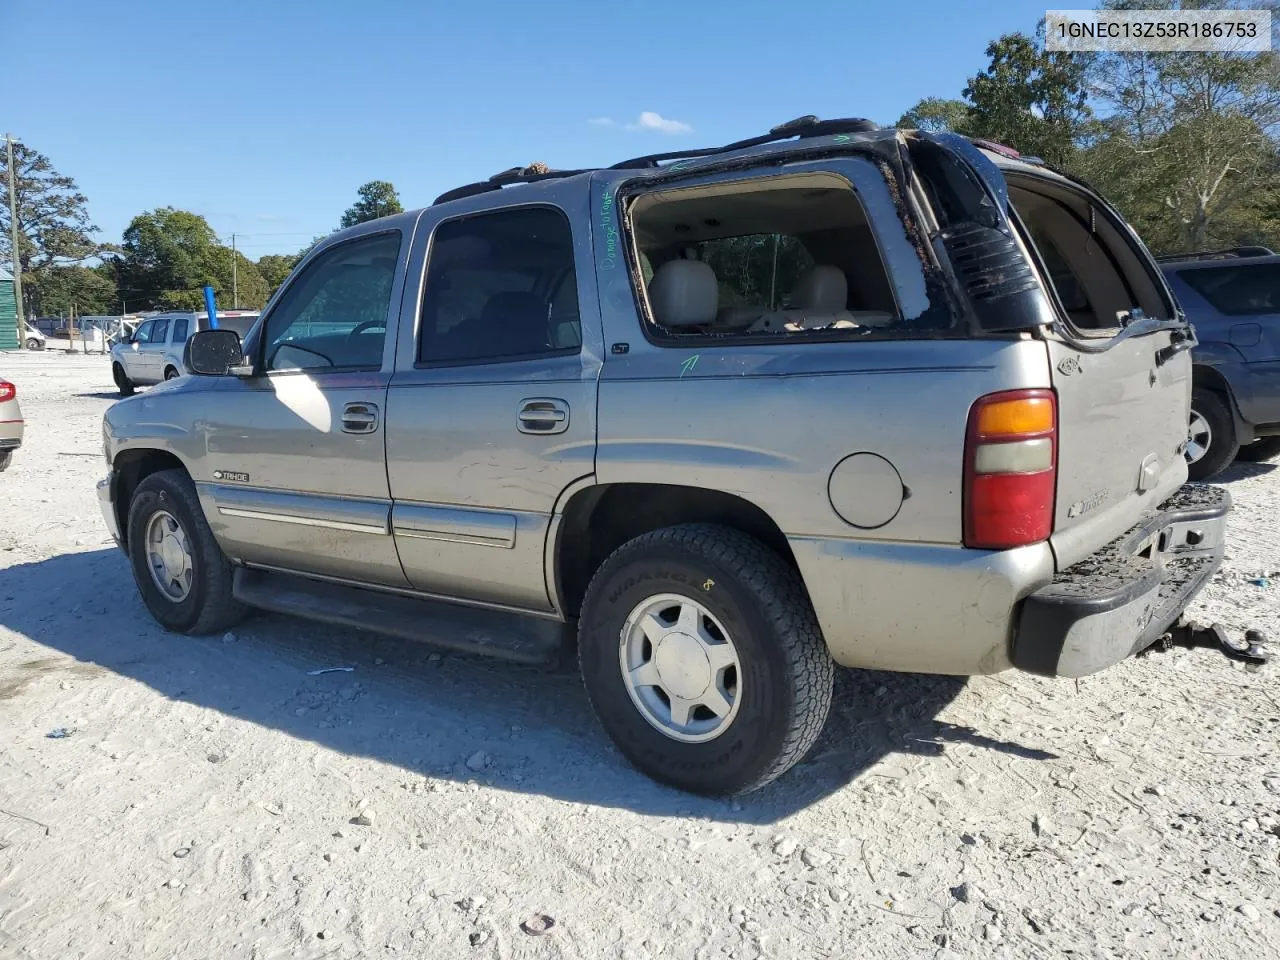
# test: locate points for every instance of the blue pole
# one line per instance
(211, 307)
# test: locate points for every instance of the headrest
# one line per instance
(684, 293)
(822, 290)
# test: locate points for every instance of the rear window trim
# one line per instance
(1068, 330)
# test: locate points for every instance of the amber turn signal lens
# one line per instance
(1016, 417)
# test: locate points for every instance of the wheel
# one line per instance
(170, 373)
(1267, 448)
(703, 660)
(6, 458)
(182, 575)
(34, 344)
(123, 383)
(1211, 435)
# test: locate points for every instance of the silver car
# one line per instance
(831, 395)
(153, 352)
(11, 423)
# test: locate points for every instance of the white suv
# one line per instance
(154, 351)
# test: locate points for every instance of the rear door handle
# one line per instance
(359, 417)
(542, 415)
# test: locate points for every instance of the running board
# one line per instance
(492, 633)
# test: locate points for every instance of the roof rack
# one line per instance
(802, 127)
(502, 179)
(1228, 254)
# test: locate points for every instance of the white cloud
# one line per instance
(649, 120)
(602, 122)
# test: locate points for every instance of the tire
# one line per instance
(34, 344)
(1211, 421)
(1268, 448)
(170, 373)
(207, 605)
(783, 675)
(123, 383)
(6, 458)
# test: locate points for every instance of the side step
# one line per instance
(508, 636)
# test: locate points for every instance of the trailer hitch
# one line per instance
(1187, 633)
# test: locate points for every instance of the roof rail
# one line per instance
(802, 127)
(1227, 254)
(505, 178)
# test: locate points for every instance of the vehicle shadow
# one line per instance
(100, 394)
(429, 711)
(1244, 470)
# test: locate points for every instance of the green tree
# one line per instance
(59, 288)
(377, 198)
(936, 115)
(1189, 148)
(170, 255)
(275, 268)
(1032, 100)
(53, 220)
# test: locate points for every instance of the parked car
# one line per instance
(153, 351)
(1232, 298)
(730, 417)
(33, 338)
(11, 424)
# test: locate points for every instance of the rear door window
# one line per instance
(500, 286)
(180, 330)
(1238, 290)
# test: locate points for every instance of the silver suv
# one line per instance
(832, 395)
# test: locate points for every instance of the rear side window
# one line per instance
(500, 286)
(180, 330)
(1238, 290)
(769, 257)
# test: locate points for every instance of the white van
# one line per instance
(153, 352)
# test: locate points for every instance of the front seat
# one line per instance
(684, 293)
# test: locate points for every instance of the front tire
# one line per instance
(34, 344)
(1268, 448)
(1211, 441)
(170, 373)
(181, 573)
(703, 659)
(123, 383)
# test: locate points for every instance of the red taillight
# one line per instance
(1010, 469)
(7, 391)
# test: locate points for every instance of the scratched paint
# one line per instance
(688, 365)
(609, 226)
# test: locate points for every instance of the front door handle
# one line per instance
(359, 417)
(542, 415)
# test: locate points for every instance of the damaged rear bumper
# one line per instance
(1125, 597)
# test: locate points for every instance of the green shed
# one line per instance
(8, 312)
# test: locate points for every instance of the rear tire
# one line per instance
(1268, 448)
(183, 576)
(1212, 443)
(123, 383)
(6, 458)
(34, 344)
(170, 373)
(772, 701)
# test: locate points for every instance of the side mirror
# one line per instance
(213, 353)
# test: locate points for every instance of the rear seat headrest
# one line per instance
(684, 293)
(823, 289)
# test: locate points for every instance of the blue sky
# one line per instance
(266, 115)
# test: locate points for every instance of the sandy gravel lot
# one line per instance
(201, 805)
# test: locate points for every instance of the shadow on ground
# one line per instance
(1244, 470)
(427, 711)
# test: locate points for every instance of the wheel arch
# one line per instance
(599, 518)
(130, 468)
(1207, 377)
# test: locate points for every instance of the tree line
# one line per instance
(1187, 145)
(164, 260)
